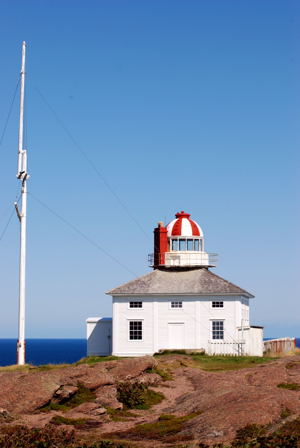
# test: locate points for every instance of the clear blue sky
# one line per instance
(180, 105)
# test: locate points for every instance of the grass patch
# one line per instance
(221, 363)
(289, 386)
(60, 420)
(250, 432)
(54, 407)
(215, 363)
(135, 395)
(78, 423)
(82, 395)
(285, 413)
(167, 425)
(151, 397)
(96, 359)
(46, 367)
(15, 368)
(164, 374)
(120, 415)
(31, 368)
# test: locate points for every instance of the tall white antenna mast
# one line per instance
(23, 176)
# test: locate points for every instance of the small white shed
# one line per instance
(99, 336)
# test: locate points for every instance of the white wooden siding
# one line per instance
(196, 314)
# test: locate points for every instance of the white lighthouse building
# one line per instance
(181, 304)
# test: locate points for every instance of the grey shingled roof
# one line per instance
(185, 282)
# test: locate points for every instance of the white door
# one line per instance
(176, 335)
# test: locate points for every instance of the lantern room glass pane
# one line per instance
(174, 244)
(182, 244)
(190, 245)
(196, 244)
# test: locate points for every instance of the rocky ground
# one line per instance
(203, 406)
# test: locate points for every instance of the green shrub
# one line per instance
(131, 394)
(289, 386)
(135, 395)
(47, 437)
(249, 432)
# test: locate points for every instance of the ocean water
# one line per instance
(44, 351)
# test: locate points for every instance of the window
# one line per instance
(218, 329)
(218, 304)
(182, 244)
(174, 244)
(176, 304)
(137, 304)
(135, 330)
(190, 245)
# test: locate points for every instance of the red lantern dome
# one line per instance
(184, 226)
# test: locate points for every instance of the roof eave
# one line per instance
(244, 294)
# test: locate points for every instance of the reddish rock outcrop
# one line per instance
(227, 400)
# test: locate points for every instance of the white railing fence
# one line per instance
(226, 348)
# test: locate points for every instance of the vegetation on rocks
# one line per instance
(289, 386)
(285, 413)
(221, 363)
(221, 394)
(120, 415)
(163, 373)
(96, 359)
(60, 420)
(82, 395)
(215, 363)
(167, 425)
(136, 395)
(49, 437)
(23, 437)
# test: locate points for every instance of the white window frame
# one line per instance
(217, 307)
(128, 330)
(135, 307)
(217, 320)
(200, 239)
(176, 307)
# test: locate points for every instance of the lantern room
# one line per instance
(180, 245)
